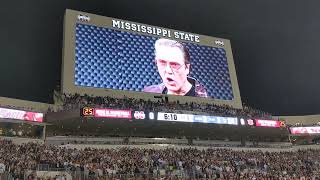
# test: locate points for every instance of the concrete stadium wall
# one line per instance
(23, 104)
(20, 141)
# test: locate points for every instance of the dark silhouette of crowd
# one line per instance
(184, 163)
(76, 101)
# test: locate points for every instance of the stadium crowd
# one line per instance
(75, 101)
(178, 163)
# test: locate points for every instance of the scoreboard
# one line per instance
(138, 115)
(159, 116)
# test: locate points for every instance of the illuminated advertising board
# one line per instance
(105, 113)
(112, 113)
(108, 53)
(267, 123)
(215, 119)
(196, 118)
(305, 130)
(21, 115)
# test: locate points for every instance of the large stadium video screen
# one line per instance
(108, 53)
(107, 58)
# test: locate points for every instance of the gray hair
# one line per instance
(173, 43)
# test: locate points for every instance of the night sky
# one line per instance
(275, 44)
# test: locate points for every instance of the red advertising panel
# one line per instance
(21, 115)
(112, 113)
(268, 123)
(305, 130)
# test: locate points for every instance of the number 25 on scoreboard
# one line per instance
(86, 111)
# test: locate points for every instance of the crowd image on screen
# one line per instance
(182, 163)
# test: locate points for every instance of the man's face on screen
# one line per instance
(172, 68)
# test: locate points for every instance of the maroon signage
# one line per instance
(112, 113)
(305, 130)
(268, 123)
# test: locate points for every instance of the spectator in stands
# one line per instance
(189, 163)
(76, 101)
(173, 62)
